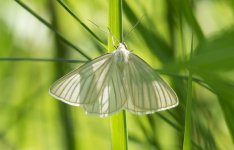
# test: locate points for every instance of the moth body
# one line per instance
(115, 81)
(121, 54)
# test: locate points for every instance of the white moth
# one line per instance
(115, 81)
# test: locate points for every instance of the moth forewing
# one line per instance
(115, 81)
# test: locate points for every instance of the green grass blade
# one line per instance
(53, 29)
(183, 77)
(224, 90)
(43, 60)
(168, 121)
(187, 131)
(215, 53)
(215, 56)
(188, 118)
(190, 17)
(64, 111)
(154, 42)
(81, 23)
(115, 22)
(119, 131)
(118, 121)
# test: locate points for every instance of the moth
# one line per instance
(115, 81)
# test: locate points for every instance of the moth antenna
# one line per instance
(113, 41)
(113, 38)
(131, 29)
(125, 45)
(98, 27)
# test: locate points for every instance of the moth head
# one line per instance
(122, 46)
(121, 55)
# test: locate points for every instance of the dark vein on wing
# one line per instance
(64, 85)
(102, 71)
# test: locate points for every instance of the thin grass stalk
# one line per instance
(42, 59)
(188, 118)
(81, 22)
(51, 27)
(66, 121)
(187, 130)
(118, 121)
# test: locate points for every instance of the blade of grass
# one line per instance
(178, 128)
(114, 22)
(119, 131)
(215, 53)
(188, 118)
(184, 8)
(148, 133)
(154, 42)
(64, 113)
(225, 94)
(197, 80)
(190, 17)
(214, 56)
(81, 23)
(43, 60)
(187, 131)
(118, 121)
(53, 29)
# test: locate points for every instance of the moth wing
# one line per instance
(147, 92)
(112, 96)
(82, 85)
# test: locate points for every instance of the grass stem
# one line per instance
(118, 121)
(188, 111)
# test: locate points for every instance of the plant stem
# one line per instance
(188, 118)
(114, 22)
(187, 130)
(119, 131)
(118, 121)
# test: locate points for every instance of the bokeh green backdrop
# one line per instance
(30, 119)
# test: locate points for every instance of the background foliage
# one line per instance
(31, 119)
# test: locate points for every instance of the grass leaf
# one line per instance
(118, 121)
(81, 23)
(53, 29)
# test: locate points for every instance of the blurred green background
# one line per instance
(30, 119)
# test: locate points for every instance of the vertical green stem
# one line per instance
(118, 121)
(114, 22)
(119, 131)
(188, 118)
(187, 130)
